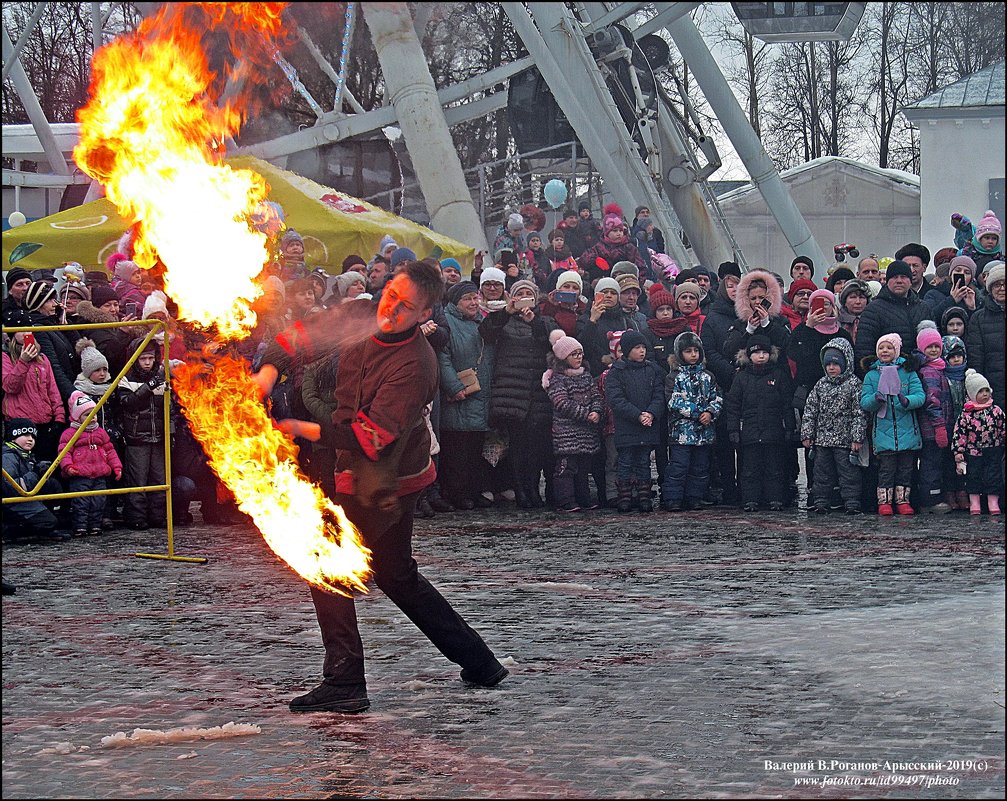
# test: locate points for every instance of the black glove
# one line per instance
(43, 466)
(734, 437)
(154, 382)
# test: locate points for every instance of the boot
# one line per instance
(902, 505)
(644, 500)
(885, 502)
(975, 504)
(625, 491)
(963, 499)
(993, 502)
(951, 499)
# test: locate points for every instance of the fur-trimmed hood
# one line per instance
(90, 313)
(742, 360)
(742, 309)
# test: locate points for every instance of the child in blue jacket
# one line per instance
(892, 392)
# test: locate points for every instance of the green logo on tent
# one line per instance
(23, 250)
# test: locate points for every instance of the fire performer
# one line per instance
(382, 464)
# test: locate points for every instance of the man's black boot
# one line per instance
(332, 698)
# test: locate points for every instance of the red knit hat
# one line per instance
(661, 297)
(797, 286)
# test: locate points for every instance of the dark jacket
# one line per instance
(631, 389)
(521, 348)
(984, 340)
(573, 398)
(58, 346)
(804, 349)
(112, 342)
(142, 412)
(758, 405)
(594, 336)
(939, 300)
(737, 336)
(889, 314)
(719, 319)
(610, 253)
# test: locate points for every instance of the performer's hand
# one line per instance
(265, 379)
(300, 428)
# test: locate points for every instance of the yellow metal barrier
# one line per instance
(32, 494)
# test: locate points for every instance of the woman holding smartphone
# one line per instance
(519, 405)
(757, 303)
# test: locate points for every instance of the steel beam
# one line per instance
(738, 129)
(33, 108)
(8, 61)
(667, 14)
(413, 96)
(566, 63)
(332, 127)
(617, 14)
(40, 179)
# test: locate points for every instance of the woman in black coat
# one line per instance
(519, 405)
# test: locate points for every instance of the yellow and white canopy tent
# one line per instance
(332, 224)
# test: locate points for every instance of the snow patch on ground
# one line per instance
(158, 737)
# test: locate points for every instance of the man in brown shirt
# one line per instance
(382, 385)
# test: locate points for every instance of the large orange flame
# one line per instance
(259, 465)
(153, 133)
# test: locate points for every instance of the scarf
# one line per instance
(829, 325)
(90, 426)
(665, 329)
(88, 387)
(938, 363)
(972, 406)
(955, 373)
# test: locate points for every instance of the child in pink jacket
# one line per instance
(30, 391)
(87, 464)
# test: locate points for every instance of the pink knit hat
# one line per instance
(989, 224)
(893, 339)
(563, 346)
(928, 335)
(614, 340)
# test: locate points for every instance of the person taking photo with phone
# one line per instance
(959, 290)
(519, 405)
(606, 314)
(758, 299)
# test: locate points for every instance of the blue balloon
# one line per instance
(555, 193)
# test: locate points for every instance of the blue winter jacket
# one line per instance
(465, 349)
(899, 429)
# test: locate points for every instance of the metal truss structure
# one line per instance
(645, 149)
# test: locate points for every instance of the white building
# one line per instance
(842, 201)
(961, 152)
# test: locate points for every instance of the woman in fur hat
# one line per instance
(758, 299)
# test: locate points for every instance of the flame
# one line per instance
(259, 465)
(163, 103)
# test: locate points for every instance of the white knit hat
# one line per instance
(493, 274)
(156, 302)
(570, 276)
(975, 381)
(994, 273)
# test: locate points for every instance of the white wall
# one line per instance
(839, 205)
(958, 157)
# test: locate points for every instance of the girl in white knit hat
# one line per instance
(979, 444)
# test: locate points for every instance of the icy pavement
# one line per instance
(707, 654)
